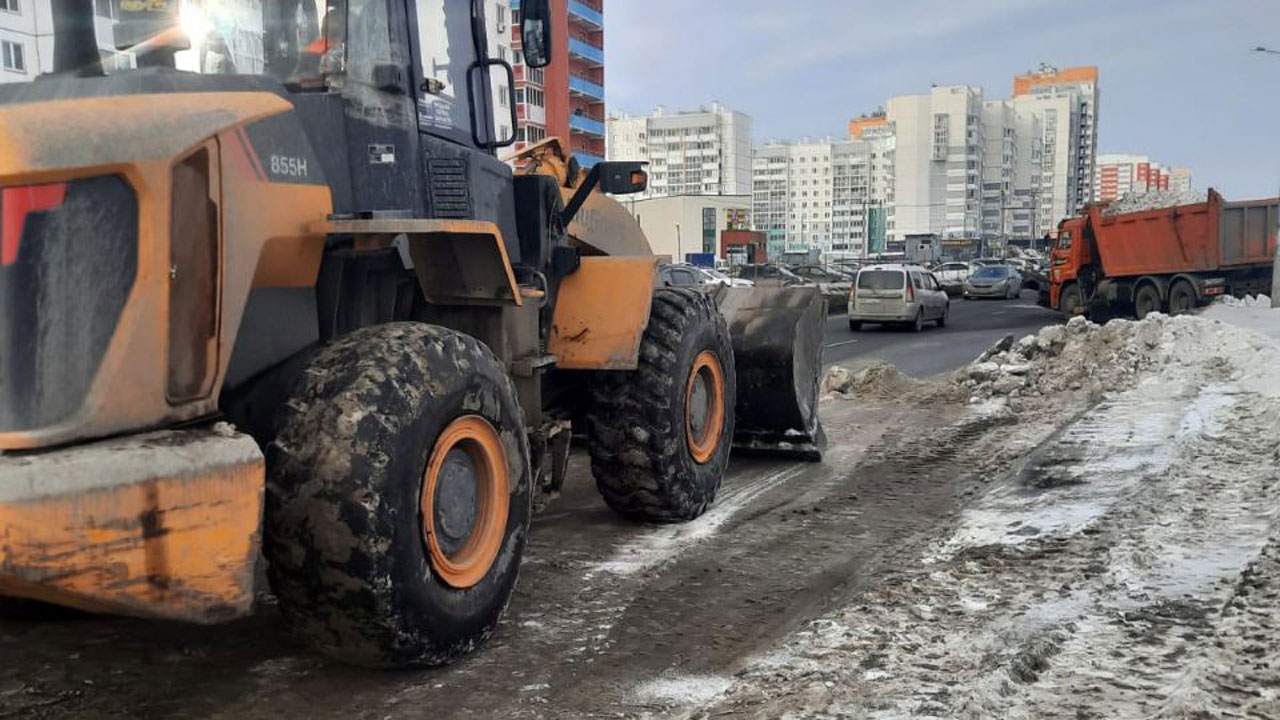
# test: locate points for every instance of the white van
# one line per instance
(899, 294)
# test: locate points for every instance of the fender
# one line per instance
(188, 158)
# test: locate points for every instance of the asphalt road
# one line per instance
(972, 327)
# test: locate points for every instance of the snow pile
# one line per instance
(1153, 201)
(1256, 315)
(1247, 301)
(1094, 359)
(881, 381)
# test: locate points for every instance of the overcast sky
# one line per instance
(1177, 78)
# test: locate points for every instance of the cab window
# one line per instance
(1064, 240)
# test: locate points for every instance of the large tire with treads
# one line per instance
(660, 435)
(384, 429)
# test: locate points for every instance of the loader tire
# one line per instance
(660, 435)
(398, 497)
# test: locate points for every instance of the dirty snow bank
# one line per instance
(1258, 315)
(1095, 359)
(1128, 566)
(1247, 301)
(880, 381)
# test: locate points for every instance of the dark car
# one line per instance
(767, 274)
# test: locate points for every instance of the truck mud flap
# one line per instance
(777, 347)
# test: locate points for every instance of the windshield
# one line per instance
(294, 41)
(991, 271)
(881, 280)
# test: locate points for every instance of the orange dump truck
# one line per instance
(1169, 259)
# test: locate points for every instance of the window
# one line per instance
(11, 56)
(10, 5)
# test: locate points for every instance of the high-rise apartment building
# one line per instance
(1180, 179)
(565, 99)
(1066, 101)
(829, 195)
(26, 39)
(1121, 174)
(1010, 171)
(701, 152)
(938, 162)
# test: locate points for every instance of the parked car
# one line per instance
(998, 281)
(716, 277)
(833, 283)
(681, 276)
(768, 274)
(897, 294)
(952, 276)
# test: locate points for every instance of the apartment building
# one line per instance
(826, 194)
(940, 148)
(700, 152)
(1120, 174)
(1010, 171)
(26, 39)
(566, 98)
(1066, 101)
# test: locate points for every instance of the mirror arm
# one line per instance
(580, 196)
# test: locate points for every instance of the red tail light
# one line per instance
(911, 292)
(18, 202)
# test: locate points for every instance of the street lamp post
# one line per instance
(1275, 263)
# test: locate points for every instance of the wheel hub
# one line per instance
(455, 501)
(465, 501)
(704, 407)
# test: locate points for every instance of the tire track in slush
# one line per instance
(1042, 604)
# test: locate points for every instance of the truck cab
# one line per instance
(1071, 252)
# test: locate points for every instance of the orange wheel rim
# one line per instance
(464, 501)
(704, 407)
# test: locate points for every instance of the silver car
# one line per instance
(997, 281)
(897, 294)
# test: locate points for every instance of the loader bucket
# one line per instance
(777, 348)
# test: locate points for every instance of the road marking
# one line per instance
(846, 342)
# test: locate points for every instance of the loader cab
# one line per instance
(409, 100)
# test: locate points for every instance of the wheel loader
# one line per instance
(268, 291)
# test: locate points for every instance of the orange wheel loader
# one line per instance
(266, 289)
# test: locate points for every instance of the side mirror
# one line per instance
(535, 32)
(615, 178)
(622, 178)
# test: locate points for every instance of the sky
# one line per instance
(1178, 78)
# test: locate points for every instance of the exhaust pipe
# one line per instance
(75, 43)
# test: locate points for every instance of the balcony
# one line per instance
(588, 15)
(584, 51)
(586, 159)
(586, 88)
(584, 124)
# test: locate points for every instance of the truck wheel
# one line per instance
(398, 497)
(660, 435)
(942, 319)
(855, 326)
(1182, 298)
(1070, 300)
(1146, 301)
